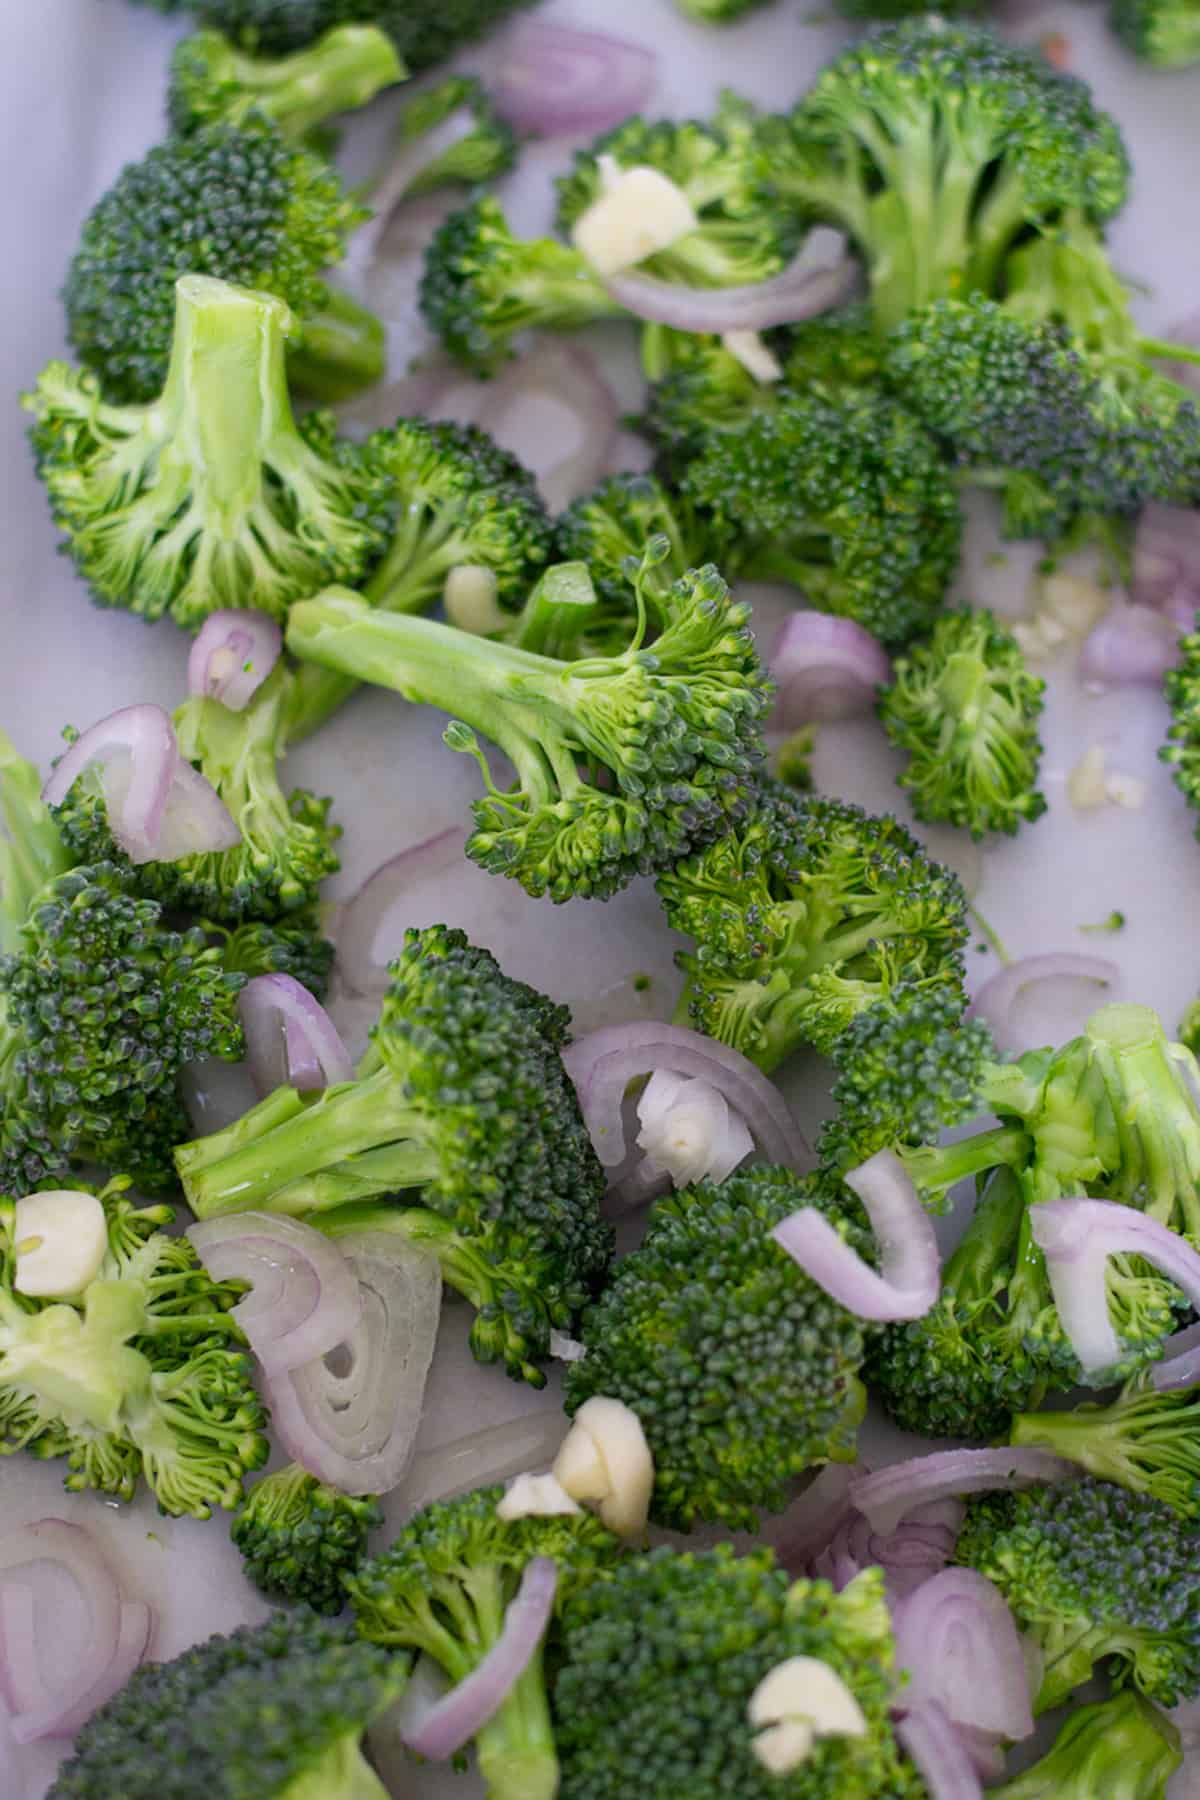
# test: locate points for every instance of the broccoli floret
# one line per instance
(468, 141)
(293, 946)
(141, 1374)
(1182, 749)
(287, 840)
(442, 1591)
(272, 1712)
(844, 493)
(623, 763)
(662, 1655)
(212, 82)
(742, 1371)
(482, 287)
(235, 202)
(212, 496)
(936, 145)
(739, 237)
(963, 708)
(462, 1106)
(717, 12)
(300, 1538)
(699, 387)
(1145, 1441)
(805, 916)
(1122, 1748)
(422, 34)
(1094, 1575)
(1164, 32)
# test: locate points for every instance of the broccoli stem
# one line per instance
(31, 851)
(343, 349)
(339, 73)
(1157, 1118)
(515, 1749)
(1146, 1442)
(342, 1773)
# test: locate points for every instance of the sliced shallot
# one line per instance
(688, 1131)
(824, 668)
(996, 999)
(553, 409)
(819, 278)
(143, 739)
(555, 79)
(918, 1549)
(1132, 646)
(941, 1757)
(357, 921)
(1166, 562)
(304, 1296)
(291, 1041)
(960, 1645)
(232, 655)
(1180, 1366)
(482, 1458)
(894, 1493)
(906, 1284)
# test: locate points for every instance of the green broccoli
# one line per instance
(235, 202)
(300, 1538)
(623, 763)
(141, 1374)
(1182, 749)
(292, 946)
(287, 840)
(442, 1590)
(100, 1006)
(422, 34)
(482, 287)
(804, 916)
(739, 236)
(212, 82)
(937, 145)
(212, 496)
(1122, 1748)
(717, 12)
(1094, 1576)
(1144, 1441)
(742, 1371)
(462, 1108)
(272, 1712)
(963, 707)
(468, 141)
(1163, 32)
(842, 492)
(661, 1656)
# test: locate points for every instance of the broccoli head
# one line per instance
(936, 146)
(238, 203)
(963, 707)
(1094, 1576)
(1123, 1748)
(699, 387)
(482, 287)
(212, 496)
(1144, 1441)
(660, 1658)
(300, 1539)
(1182, 749)
(467, 142)
(442, 1590)
(742, 1371)
(292, 946)
(462, 1114)
(1163, 32)
(142, 1374)
(271, 1712)
(423, 35)
(623, 762)
(803, 917)
(842, 492)
(213, 82)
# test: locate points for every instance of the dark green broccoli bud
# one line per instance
(844, 493)
(212, 82)
(422, 34)
(482, 287)
(1122, 1748)
(142, 1374)
(462, 1108)
(742, 1371)
(623, 763)
(1095, 1576)
(963, 707)
(805, 916)
(936, 146)
(1145, 1441)
(484, 149)
(271, 1712)
(287, 840)
(213, 496)
(442, 1590)
(300, 1539)
(1182, 749)
(238, 203)
(1163, 32)
(293, 946)
(660, 1659)
(739, 236)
